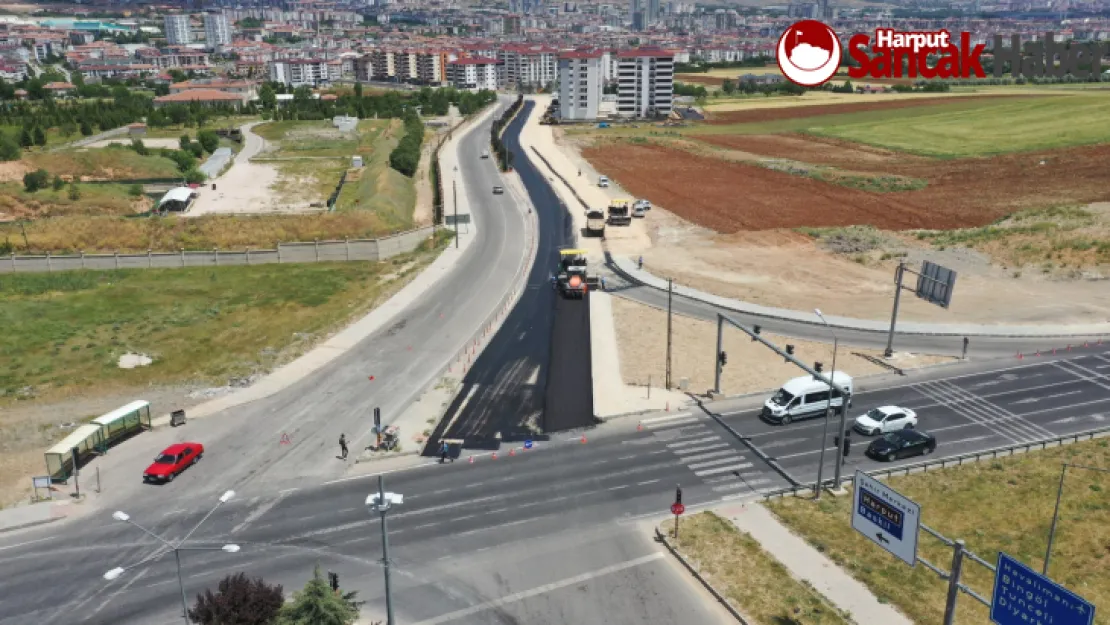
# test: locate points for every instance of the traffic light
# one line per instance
(817, 367)
(333, 578)
(847, 442)
(678, 494)
(723, 357)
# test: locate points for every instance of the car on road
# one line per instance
(172, 461)
(498, 190)
(804, 398)
(603, 181)
(485, 153)
(885, 419)
(642, 205)
(902, 444)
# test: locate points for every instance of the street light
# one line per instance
(843, 408)
(381, 502)
(177, 548)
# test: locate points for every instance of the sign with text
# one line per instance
(1023, 596)
(886, 517)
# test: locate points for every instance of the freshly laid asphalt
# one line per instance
(569, 403)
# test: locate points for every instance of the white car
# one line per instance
(485, 153)
(886, 419)
(642, 205)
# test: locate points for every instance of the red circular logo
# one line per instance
(677, 508)
(808, 53)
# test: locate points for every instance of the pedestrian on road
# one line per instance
(602, 283)
(579, 173)
(553, 282)
(641, 262)
(444, 452)
(343, 446)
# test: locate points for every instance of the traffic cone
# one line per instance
(494, 457)
(583, 438)
(640, 426)
(472, 460)
(512, 452)
(1069, 347)
(1019, 356)
(668, 406)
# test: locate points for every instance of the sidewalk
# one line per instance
(806, 563)
(40, 513)
(628, 267)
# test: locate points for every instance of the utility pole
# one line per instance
(383, 507)
(894, 314)
(670, 291)
(717, 356)
(455, 201)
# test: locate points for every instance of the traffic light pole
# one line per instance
(717, 356)
(383, 508)
(670, 289)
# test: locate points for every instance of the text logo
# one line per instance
(1037, 59)
(894, 54)
(808, 53)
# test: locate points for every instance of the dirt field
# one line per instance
(811, 105)
(171, 144)
(751, 367)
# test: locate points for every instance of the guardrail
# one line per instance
(958, 460)
(296, 252)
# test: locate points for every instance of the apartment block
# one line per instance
(305, 72)
(580, 79)
(529, 65)
(177, 28)
(645, 82)
(473, 73)
(217, 30)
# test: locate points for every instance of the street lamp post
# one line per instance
(843, 405)
(177, 548)
(381, 502)
(825, 432)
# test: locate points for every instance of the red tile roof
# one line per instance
(199, 95)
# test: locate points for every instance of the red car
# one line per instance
(174, 460)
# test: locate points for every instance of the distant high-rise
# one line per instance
(217, 30)
(579, 84)
(652, 12)
(177, 30)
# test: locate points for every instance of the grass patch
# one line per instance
(848, 240)
(65, 331)
(95, 199)
(748, 576)
(377, 187)
(299, 139)
(218, 123)
(114, 162)
(1004, 504)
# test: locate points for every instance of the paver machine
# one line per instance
(572, 279)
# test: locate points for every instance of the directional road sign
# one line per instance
(677, 509)
(528, 444)
(1023, 596)
(886, 517)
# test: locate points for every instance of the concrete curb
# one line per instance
(660, 537)
(29, 524)
(849, 323)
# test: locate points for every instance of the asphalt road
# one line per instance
(978, 347)
(554, 534)
(502, 398)
(569, 401)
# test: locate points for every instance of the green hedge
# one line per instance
(406, 156)
(504, 157)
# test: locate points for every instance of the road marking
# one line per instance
(463, 518)
(540, 590)
(687, 421)
(647, 482)
(707, 455)
(1033, 400)
(653, 420)
(462, 406)
(738, 485)
(618, 487)
(694, 442)
(710, 463)
(420, 527)
(257, 513)
(746, 465)
(29, 542)
(492, 527)
(288, 490)
(702, 448)
(627, 457)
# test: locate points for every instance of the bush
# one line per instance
(196, 149)
(36, 180)
(139, 147)
(195, 176)
(135, 190)
(209, 140)
(185, 160)
(238, 601)
(74, 192)
(9, 149)
(39, 136)
(59, 184)
(184, 142)
(86, 129)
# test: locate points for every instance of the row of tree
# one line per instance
(503, 154)
(406, 156)
(701, 67)
(40, 179)
(239, 600)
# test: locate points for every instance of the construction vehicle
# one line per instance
(595, 223)
(572, 279)
(620, 213)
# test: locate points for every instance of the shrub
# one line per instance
(36, 180)
(209, 140)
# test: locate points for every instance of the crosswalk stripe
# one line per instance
(665, 418)
(695, 442)
(717, 470)
(682, 433)
(710, 463)
(692, 450)
(707, 455)
(738, 485)
(674, 424)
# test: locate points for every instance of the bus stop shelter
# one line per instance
(95, 438)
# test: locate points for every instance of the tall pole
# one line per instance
(1055, 515)
(954, 583)
(821, 461)
(670, 290)
(717, 356)
(181, 584)
(843, 409)
(383, 507)
(894, 314)
(455, 201)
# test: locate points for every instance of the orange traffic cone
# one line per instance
(640, 426)
(472, 460)
(583, 438)
(494, 457)
(512, 452)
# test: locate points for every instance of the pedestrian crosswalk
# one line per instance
(710, 454)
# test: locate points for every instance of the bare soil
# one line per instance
(790, 112)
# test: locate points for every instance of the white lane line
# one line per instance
(666, 418)
(711, 463)
(746, 465)
(618, 487)
(694, 442)
(257, 513)
(627, 457)
(540, 590)
(738, 485)
(674, 424)
(691, 450)
(29, 542)
(707, 455)
(647, 482)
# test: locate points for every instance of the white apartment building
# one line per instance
(177, 30)
(529, 65)
(300, 72)
(645, 82)
(217, 30)
(473, 73)
(580, 79)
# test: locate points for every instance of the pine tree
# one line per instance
(317, 604)
(25, 138)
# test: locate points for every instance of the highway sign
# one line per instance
(886, 517)
(528, 444)
(1023, 596)
(677, 509)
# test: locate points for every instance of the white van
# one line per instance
(603, 181)
(804, 397)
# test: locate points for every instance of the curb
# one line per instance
(21, 526)
(387, 456)
(660, 537)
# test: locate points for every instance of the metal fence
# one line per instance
(301, 252)
(941, 463)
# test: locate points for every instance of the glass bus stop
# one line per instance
(95, 438)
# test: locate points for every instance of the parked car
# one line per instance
(643, 205)
(485, 153)
(902, 444)
(498, 190)
(885, 419)
(603, 181)
(172, 461)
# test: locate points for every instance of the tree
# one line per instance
(59, 184)
(209, 140)
(39, 136)
(86, 129)
(267, 97)
(139, 147)
(25, 138)
(184, 142)
(35, 180)
(196, 149)
(195, 176)
(184, 160)
(317, 604)
(358, 90)
(74, 192)
(9, 149)
(238, 601)
(68, 129)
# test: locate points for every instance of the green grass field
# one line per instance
(1003, 504)
(64, 332)
(380, 188)
(317, 138)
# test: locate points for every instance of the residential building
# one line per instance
(178, 31)
(310, 72)
(528, 65)
(429, 68)
(217, 30)
(579, 84)
(645, 82)
(245, 89)
(210, 97)
(473, 73)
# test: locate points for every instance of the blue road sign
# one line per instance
(1023, 596)
(528, 444)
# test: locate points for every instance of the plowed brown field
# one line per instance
(729, 196)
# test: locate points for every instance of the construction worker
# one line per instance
(444, 452)
(343, 446)
(554, 282)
